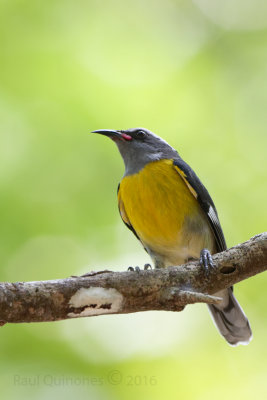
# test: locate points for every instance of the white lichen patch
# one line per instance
(95, 301)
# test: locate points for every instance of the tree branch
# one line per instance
(107, 292)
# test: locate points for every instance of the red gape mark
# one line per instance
(126, 137)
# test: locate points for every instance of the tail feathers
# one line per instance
(230, 319)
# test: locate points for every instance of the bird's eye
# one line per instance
(141, 134)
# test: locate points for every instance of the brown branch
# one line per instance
(108, 292)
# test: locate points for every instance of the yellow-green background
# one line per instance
(195, 72)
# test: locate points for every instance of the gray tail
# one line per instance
(230, 319)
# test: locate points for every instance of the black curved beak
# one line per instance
(108, 132)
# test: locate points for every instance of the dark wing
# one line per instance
(202, 195)
(124, 216)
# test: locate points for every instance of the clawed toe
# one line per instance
(147, 266)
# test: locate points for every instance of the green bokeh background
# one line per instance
(195, 72)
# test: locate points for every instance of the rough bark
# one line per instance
(107, 292)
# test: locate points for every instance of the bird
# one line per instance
(166, 206)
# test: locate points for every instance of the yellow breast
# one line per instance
(156, 201)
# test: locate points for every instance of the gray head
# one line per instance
(139, 146)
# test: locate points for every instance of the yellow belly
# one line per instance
(164, 213)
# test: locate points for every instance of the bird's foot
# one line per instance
(137, 269)
(206, 260)
(134, 269)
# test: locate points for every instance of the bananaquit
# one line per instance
(163, 202)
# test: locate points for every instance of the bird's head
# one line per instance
(138, 147)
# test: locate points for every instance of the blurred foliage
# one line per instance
(195, 72)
